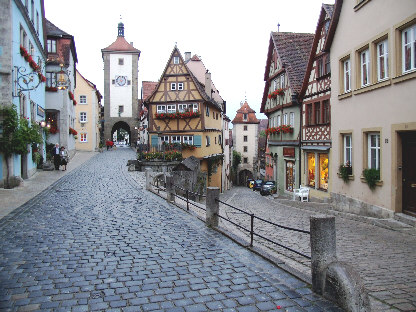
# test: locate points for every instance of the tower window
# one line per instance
(121, 61)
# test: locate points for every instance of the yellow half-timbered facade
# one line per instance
(186, 108)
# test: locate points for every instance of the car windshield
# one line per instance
(269, 183)
(259, 181)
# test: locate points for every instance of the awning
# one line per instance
(315, 148)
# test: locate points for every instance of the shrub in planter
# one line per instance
(345, 172)
(371, 176)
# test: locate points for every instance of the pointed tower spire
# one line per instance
(120, 28)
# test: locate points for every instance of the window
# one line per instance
(121, 61)
(51, 46)
(311, 169)
(83, 117)
(409, 48)
(245, 149)
(164, 138)
(173, 86)
(382, 60)
(83, 137)
(121, 108)
(309, 114)
(50, 79)
(327, 64)
(215, 140)
(347, 150)
(161, 109)
(207, 111)
(195, 107)
(365, 67)
(275, 84)
(326, 115)
(23, 37)
(182, 108)
(208, 141)
(176, 139)
(245, 128)
(320, 69)
(285, 119)
(180, 86)
(216, 116)
(82, 99)
(323, 171)
(37, 22)
(245, 160)
(172, 109)
(278, 120)
(31, 48)
(347, 75)
(282, 81)
(292, 119)
(374, 150)
(188, 139)
(245, 138)
(245, 117)
(176, 60)
(26, 5)
(32, 11)
(317, 112)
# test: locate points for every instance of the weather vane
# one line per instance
(278, 27)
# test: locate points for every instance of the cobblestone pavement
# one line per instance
(385, 257)
(96, 241)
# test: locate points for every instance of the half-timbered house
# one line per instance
(287, 58)
(186, 108)
(316, 122)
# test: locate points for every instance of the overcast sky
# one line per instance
(231, 37)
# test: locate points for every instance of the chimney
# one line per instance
(187, 56)
(208, 83)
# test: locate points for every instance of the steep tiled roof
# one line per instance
(263, 124)
(121, 45)
(329, 8)
(52, 30)
(245, 109)
(148, 88)
(293, 50)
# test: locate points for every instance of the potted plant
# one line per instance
(371, 176)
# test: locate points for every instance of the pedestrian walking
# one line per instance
(55, 152)
(64, 158)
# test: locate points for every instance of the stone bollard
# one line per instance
(212, 206)
(170, 190)
(323, 248)
(148, 179)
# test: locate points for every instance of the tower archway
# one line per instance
(118, 132)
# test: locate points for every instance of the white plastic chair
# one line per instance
(302, 193)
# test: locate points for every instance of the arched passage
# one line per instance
(243, 175)
(121, 132)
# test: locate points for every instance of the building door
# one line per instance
(409, 173)
(290, 175)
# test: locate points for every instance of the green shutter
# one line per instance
(154, 140)
(197, 140)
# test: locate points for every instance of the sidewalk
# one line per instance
(10, 199)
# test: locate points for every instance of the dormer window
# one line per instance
(51, 46)
(176, 60)
(245, 117)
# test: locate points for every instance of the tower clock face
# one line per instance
(121, 80)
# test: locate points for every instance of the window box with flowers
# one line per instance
(51, 89)
(276, 93)
(345, 172)
(280, 129)
(177, 115)
(72, 131)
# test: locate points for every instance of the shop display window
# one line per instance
(323, 171)
(311, 169)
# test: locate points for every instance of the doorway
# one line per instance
(290, 175)
(409, 173)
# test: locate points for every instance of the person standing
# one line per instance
(56, 156)
(64, 158)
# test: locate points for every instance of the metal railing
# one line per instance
(253, 233)
(186, 198)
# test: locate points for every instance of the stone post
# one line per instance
(323, 248)
(212, 206)
(148, 178)
(170, 190)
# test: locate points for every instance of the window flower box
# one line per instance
(51, 89)
(276, 93)
(280, 129)
(177, 115)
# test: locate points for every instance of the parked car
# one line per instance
(257, 185)
(249, 184)
(268, 188)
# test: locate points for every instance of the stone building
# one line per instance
(245, 140)
(121, 87)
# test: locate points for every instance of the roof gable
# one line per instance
(121, 45)
(251, 115)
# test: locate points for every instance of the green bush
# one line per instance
(371, 176)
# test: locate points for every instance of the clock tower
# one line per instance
(120, 87)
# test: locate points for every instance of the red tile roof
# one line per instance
(120, 45)
(245, 109)
(148, 87)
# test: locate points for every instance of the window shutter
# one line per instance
(197, 140)
(154, 140)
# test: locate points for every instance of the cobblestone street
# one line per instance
(384, 254)
(95, 240)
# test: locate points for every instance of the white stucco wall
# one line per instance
(121, 95)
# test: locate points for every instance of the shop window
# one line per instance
(323, 171)
(290, 175)
(311, 169)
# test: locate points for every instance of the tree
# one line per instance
(236, 162)
(16, 135)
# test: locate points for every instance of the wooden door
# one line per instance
(409, 173)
